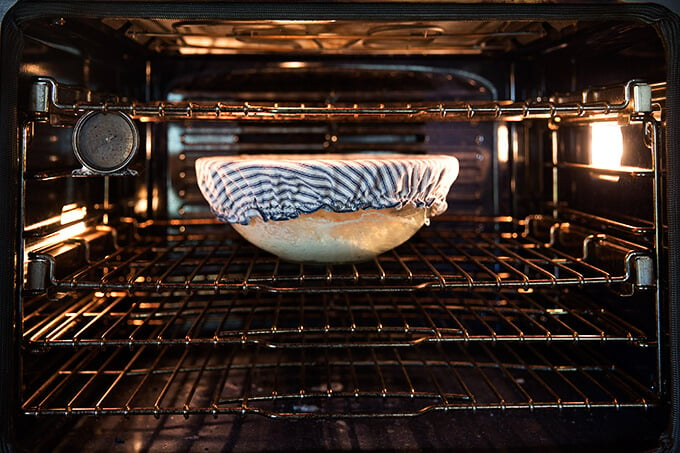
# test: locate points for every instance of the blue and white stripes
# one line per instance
(283, 187)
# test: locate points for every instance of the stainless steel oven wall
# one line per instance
(74, 54)
(144, 51)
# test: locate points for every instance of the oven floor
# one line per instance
(463, 431)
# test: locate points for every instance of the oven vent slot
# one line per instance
(339, 383)
(208, 256)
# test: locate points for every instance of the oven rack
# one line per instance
(634, 96)
(328, 320)
(347, 383)
(204, 255)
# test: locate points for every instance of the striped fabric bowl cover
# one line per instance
(283, 187)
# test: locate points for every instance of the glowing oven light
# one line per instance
(606, 147)
(503, 143)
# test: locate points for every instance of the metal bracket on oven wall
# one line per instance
(85, 172)
(53, 262)
(632, 100)
(40, 97)
(637, 96)
(57, 103)
(40, 274)
(609, 253)
(638, 264)
(642, 98)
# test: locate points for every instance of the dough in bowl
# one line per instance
(327, 208)
(335, 237)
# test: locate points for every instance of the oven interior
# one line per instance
(539, 295)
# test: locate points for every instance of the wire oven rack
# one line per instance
(447, 255)
(634, 96)
(341, 383)
(327, 321)
(468, 315)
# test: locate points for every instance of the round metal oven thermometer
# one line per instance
(105, 142)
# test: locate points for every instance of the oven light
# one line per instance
(502, 143)
(606, 147)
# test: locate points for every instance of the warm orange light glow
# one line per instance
(72, 213)
(502, 143)
(67, 233)
(293, 64)
(606, 146)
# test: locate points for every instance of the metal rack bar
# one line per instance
(122, 320)
(632, 386)
(571, 385)
(636, 226)
(632, 172)
(214, 401)
(200, 320)
(56, 380)
(138, 389)
(337, 321)
(633, 95)
(516, 383)
(194, 387)
(93, 378)
(250, 380)
(146, 320)
(408, 379)
(537, 378)
(37, 325)
(329, 379)
(98, 318)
